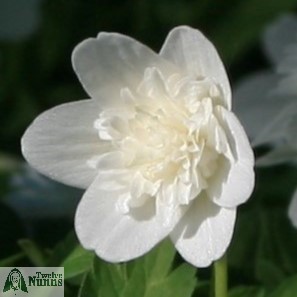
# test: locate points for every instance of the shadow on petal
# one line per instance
(144, 212)
(191, 222)
(219, 179)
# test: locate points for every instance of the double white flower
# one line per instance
(157, 147)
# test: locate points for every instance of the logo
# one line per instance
(31, 281)
(15, 281)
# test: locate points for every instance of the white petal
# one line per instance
(279, 35)
(168, 210)
(116, 236)
(204, 233)
(293, 209)
(111, 62)
(193, 53)
(234, 183)
(61, 140)
(255, 104)
(110, 160)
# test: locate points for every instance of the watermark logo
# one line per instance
(32, 281)
(15, 281)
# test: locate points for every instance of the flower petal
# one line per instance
(193, 53)
(107, 64)
(114, 235)
(60, 142)
(278, 36)
(236, 187)
(293, 209)
(204, 233)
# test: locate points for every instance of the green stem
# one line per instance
(220, 277)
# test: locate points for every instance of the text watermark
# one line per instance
(32, 281)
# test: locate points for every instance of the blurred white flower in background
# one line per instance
(293, 209)
(157, 147)
(34, 196)
(266, 101)
(36, 199)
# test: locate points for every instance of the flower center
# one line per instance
(168, 133)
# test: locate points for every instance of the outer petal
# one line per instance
(255, 103)
(278, 36)
(293, 209)
(111, 62)
(234, 183)
(195, 55)
(204, 233)
(61, 140)
(114, 235)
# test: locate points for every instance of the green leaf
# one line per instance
(137, 283)
(181, 282)
(244, 243)
(92, 281)
(152, 275)
(104, 279)
(62, 250)
(148, 276)
(78, 262)
(277, 247)
(268, 272)
(33, 252)
(88, 286)
(158, 262)
(264, 245)
(244, 291)
(287, 288)
(69, 254)
(111, 279)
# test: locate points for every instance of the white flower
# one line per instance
(293, 209)
(267, 101)
(157, 147)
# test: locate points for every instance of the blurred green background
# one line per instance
(36, 41)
